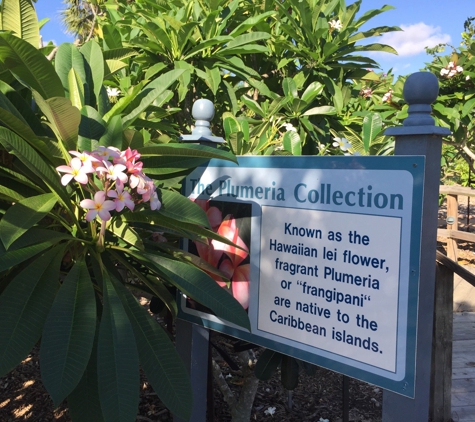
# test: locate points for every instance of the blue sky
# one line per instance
(425, 23)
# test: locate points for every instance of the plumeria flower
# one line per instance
(342, 143)
(121, 198)
(75, 171)
(155, 203)
(270, 411)
(451, 70)
(289, 127)
(129, 158)
(388, 96)
(104, 153)
(99, 206)
(88, 161)
(366, 92)
(335, 24)
(113, 171)
(113, 92)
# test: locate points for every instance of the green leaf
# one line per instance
(326, 110)
(292, 142)
(68, 334)
(92, 126)
(290, 88)
(15, 257)
(20, 17)
(68, 57)
(76, 89)
(158, 358)
(267, 364)
(188, 150)
(313, 90)
(372, 126)
(24, 306)
(93, 55)
(63, 117)
(23, 215)
(117, 360)
(112, 137)
(83, 402)
(201, 287)
(30, 158)
(244, 39)
(29, 66)
(113, 66)
(180, 208)
(121, 229)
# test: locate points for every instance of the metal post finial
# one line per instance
(420, 91)
(203, 112)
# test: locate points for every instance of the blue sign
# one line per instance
(328, 258)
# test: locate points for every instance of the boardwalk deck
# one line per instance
(463, 367)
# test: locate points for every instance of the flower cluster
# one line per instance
(115, 170)
(366, 92)
(451, 70)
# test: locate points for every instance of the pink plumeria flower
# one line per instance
(137, 180)
(113, 171)
(75, 170)
(121, 198)
(155, 203)
(98, 207)
(147, 190)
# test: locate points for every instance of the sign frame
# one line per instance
(314, 166)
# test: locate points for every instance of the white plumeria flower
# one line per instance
(113, 92)
(155, 203)
(335, 24)
(270, 411)
(323, 420)
(88, 161)
(75, 171)
(99, 206)
(104, 153)
(289, 127)
(342, 143)
(467, 78)
(113, 171)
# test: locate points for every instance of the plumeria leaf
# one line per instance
(180, 208)
(199, 286)
(158, 357)
(24, 306)
(29, 66)
(181, 150)
(68, 57)
(23, 215)
(121, 229)
(118, 361)
(68, 334)
(292, 142)
(83, 402)
(93, 56)
(267, 364)
(289, 372)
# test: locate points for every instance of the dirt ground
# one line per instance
(318, 397)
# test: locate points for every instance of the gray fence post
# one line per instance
(192, 341)
(420, 136)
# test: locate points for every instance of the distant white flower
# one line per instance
(335, 24)
(451, 70)
(388, 96)
(289, 127)
(354, 154)
(366, 92)
(113, 92)
(467, 78)
(270, 411)
(342, 143)
(323, 420)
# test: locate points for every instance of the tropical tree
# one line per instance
(455, 106)
(80, 18)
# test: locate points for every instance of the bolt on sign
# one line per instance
(328, 256)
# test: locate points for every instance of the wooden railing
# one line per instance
(451, 232)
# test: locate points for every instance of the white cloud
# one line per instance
(413, 39)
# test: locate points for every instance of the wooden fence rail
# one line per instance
(451, 232)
